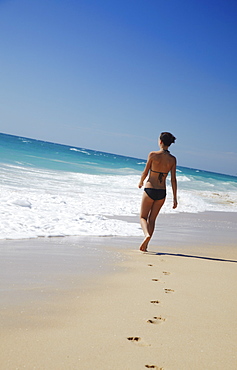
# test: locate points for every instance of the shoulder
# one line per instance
(152, 155)
(173, 161)
(172, 157)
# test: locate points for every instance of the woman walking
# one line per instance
(158, 165)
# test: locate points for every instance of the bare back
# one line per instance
(159, 165)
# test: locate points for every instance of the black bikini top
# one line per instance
(161, 175)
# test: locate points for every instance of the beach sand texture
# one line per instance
(172, 310)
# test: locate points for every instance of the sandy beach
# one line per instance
(99, 303)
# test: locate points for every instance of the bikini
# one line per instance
(157, 194)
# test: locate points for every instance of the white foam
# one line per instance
(49, 203)
(37, 202)
(79, 150)
(183, 178)
(22, 203)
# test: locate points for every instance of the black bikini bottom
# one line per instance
(155, 194)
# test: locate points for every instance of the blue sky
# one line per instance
(110, 75)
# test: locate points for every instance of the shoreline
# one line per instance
(97, 302)
(180, 226)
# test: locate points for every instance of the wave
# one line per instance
(80, 151)
(56, 203)
(183, 178)
(63, 193)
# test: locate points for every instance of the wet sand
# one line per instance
(99, 303)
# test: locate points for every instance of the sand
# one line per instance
(171, 308)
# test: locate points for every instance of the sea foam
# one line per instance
(39, 202)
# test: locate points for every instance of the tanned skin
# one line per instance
(160, 161)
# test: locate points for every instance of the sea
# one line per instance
(49, 190)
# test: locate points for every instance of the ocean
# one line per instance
(48, 189)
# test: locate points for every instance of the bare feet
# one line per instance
(143, 246)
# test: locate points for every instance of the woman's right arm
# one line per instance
(146, 170)
(174, 185)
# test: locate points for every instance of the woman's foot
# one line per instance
(143, 246)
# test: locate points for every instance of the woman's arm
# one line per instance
(174, 185)
(146, 170)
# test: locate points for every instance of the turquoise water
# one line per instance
(50, 189)
(52, 156)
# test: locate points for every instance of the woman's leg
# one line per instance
(146, 207)
(156, 207)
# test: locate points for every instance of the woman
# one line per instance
(158, 165)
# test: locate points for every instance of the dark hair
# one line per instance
(167, 138)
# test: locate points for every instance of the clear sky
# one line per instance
(110, 75)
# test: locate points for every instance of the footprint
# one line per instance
(155, 302)
(155, 280)
(156, 320)
(166, 273)
(134, 339)
(168, 290)
(154, 367)
(138, 341)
